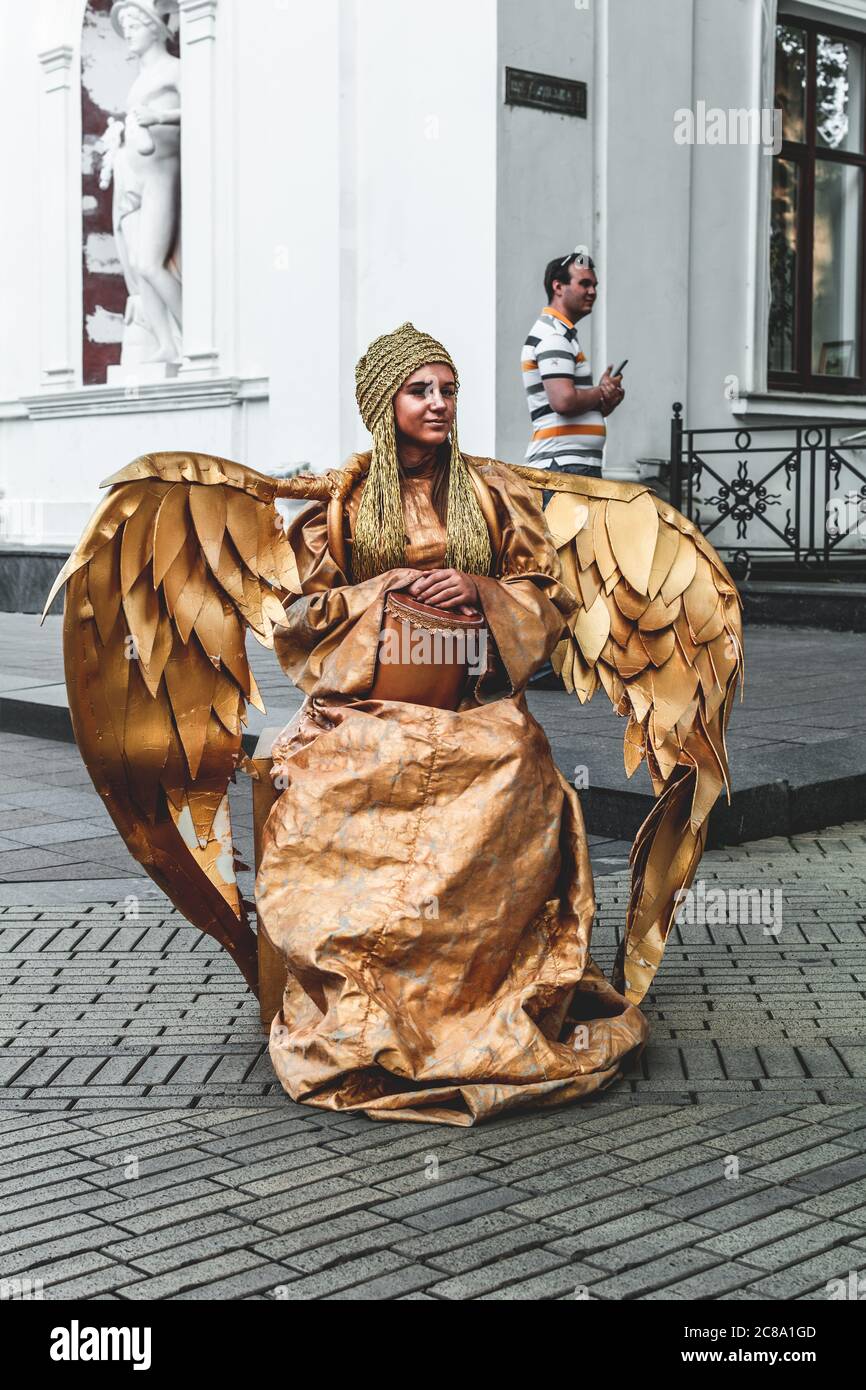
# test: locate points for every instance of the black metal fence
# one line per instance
(785, 500)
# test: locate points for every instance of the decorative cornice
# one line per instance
(56, 66)
(198, 20)
(58, 57)
(177, 394)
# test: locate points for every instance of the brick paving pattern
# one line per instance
(147, 1152)
(606, 1201)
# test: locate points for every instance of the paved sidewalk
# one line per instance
(146, 1150)
(605, 1201)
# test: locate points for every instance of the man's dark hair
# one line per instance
(560, 270)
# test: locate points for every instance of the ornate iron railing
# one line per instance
(776, 498)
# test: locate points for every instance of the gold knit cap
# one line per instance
(379, 540)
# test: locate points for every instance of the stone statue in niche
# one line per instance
(146, 197)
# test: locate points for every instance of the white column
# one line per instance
(619, 462)
(198, 200)
(310, 286)
(426, 170)
(57, 217)
(643, 261)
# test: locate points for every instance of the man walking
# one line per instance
(567, 411)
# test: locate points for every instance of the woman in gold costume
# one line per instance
(425, 872)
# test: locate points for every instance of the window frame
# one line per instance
(803, 156)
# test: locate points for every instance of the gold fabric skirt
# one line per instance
(426, 875)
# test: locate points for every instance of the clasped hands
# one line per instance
(612, 390)
(446, 588)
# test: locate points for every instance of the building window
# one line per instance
(817, 260)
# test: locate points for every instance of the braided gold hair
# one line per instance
(379, 541)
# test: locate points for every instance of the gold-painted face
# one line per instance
(424, 405)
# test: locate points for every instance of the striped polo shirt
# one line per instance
(552, 351)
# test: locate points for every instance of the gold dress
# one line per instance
(425, 872)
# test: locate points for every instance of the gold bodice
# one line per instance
(425, 533)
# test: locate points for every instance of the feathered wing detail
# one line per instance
(659, 627)
(184, 554)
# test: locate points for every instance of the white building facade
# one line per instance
(350, 164)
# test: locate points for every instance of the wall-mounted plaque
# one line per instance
(545, 93)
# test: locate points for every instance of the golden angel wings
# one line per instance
(187, 552)
(659, 627)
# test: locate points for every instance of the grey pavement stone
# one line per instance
(193, 1251)
(168, 1238)
(433, 1195)
(468, 1257)
(848, 1196)
(672, 1161)
(799, 1245)
(201, 1272)
(267, 1214)
(687, 1179)
(809, 1274)
(150, 1212)
(56, 1271)
(645, 1149)
(643, 1237)
(476, 1230)
(797, 1166)
(754, 1203)
(315, 1247)
(584, 1213)
(761, 1128)
(564, 1281)
(391, 1285)
(855, 1217)
(535, 1176)
(801, 1140)
(346, 1274)
(96, 1283)
(654, 1274)
(336, 1252)
(259, 1280)
(708, 1283)
(690, 1206)
(473, 1283)
(483, 1201)
(762, 1232)
(845, 1169)
(25, 1260)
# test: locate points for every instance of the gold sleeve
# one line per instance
(526, 607)
(329, 642)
